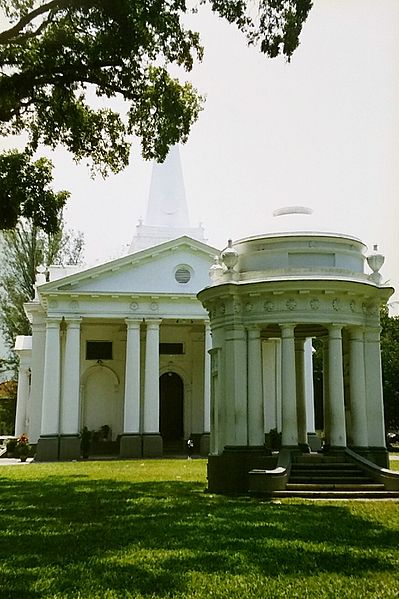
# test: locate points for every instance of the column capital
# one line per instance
(287, 329)
(73, 322)
(153, 323)
(356, 333)
(335, 331)
(133, 323)
(53, 322)
(372, 333)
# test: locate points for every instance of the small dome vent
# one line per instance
(182, 274)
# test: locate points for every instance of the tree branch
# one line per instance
(10, 34)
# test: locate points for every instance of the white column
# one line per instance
(236, 413)
(131, 423)
(300, 390)
(207, 378)
(326, 394)
(375, 406)
(22, 397)
(51, 383)
(70, 408)
(336, 387)
(151, 378)
(309, 389)
(357, 381)
(256, 427)
(288, 387)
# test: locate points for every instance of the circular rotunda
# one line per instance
(271, 296)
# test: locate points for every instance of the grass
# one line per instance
(132, 529)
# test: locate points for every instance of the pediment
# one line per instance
(174, 267)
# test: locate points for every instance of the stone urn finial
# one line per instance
(375, 262)
(216, 270)
(230, 256)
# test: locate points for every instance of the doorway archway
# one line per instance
(171, 410)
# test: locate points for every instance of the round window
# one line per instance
(182, 274)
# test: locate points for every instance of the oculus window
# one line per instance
(182, 274)
(98, 350)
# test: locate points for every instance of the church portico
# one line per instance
(105, 374)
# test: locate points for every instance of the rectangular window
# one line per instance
(99, 350)
(171, 348)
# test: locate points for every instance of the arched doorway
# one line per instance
(171, 400)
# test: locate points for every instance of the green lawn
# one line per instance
(146, 529)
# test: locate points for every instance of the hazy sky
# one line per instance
(321, 131)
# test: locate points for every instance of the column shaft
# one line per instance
(256, 428)
(207, 379)
(22, 399)
(288, 387)
(357, 382)
(151, 378)
(132, 378)
(71, 380)
(336, 388)
(300, 390)
(51, 383)
(375, 406)
(236, 387)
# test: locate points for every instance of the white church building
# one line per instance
(166, 343)
(123, 347)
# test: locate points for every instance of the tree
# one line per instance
(57, 55)
(390, 369)
(25, 191)
(24, 249)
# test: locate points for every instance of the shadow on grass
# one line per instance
(66, 536)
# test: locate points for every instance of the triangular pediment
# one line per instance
(175, 267)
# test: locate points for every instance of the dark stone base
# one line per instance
(47, 449)
(377, 455)
(152, 445)
(205, 444)
(229, 472)
(131, 446)
(69, 447)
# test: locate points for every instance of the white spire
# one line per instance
(167, 213)
(167, 206)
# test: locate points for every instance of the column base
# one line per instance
(314, 442)
(229, 472)
(152, 445)
(47, 449)
(131, 446)
(69, 447)
(205, 443)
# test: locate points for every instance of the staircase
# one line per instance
(317, 476)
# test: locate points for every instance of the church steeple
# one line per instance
(167, 212)
(167, 206)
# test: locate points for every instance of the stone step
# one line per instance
(331, 481)
(326, 472)
(332, 486)
(325, 466)
(337, 494)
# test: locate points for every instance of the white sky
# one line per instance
(321, 131)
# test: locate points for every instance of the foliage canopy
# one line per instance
(25, 191)
(61, 61)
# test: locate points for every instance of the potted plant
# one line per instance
(22, 448)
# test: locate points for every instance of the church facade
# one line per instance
(121, 349)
